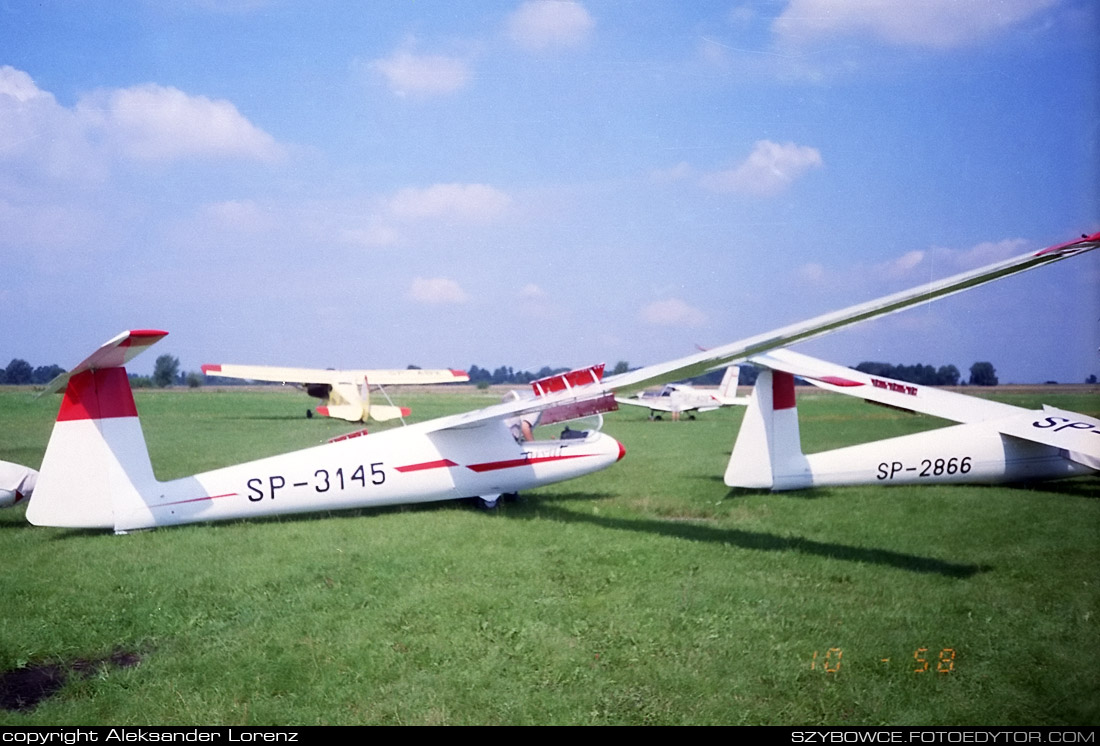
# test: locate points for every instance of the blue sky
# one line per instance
(516, 183)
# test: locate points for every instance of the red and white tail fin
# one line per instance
(768, 450)
(96, 464)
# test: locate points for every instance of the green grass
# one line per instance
(648, 593)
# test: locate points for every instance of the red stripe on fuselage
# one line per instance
(440, 464)
(98, 395)
(196, 499)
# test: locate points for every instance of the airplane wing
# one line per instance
(899, 394)
(580, 390)
(701, 362)
(411, 376)
(1077, 434)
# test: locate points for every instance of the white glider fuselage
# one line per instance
(111, 484)
(996, 442)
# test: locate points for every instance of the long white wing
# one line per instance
(701, 362)
(735, 352)
(332, 377)
(900, 394)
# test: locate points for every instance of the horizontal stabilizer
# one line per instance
(114, 353)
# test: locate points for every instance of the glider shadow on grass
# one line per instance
(762, 541)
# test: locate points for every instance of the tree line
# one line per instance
(166, 372)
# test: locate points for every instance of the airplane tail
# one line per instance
(768, 451)
(97, 463)
(728, 388)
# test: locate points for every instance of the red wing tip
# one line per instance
(460, 374)
(1095, 237)
(208, 369)
(323, 411)
(405, 411)
(142, 337)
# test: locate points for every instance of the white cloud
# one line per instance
(672, 312)
(152, 122)
(531, 291)
(423, 75)
(437, 291)
(900, 267)
(472, 203)
(927, 23)
(769, 169)
(813, 273)
(981, 254)
(540, 25)
(39, 138)
(371, 236)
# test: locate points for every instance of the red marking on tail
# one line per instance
(782, 390)
(98, 395)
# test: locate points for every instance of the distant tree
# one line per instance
(947, 375)
(165, 370)
(983, 374)
(477, 375)
(18, 372)
(747, 374)
(194, 380)
(413, 367)
(620, 367)
(46, 373)
(1091, 378)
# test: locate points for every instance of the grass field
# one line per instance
(648, 593)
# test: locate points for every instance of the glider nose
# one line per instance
(622, 452)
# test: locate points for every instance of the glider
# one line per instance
(678, 398)
(16, 483)
(994, 443)
(344, 393)
(96, 472)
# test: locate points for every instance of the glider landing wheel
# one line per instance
(309, 414)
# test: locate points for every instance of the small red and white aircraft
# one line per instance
(995, 443)
(680, 398)
(16, 483)
(96, 472)
(344, 394)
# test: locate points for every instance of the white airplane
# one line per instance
(96, 472)
(995, 443)
(345, 394)
(678, 398)
(16, 483)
